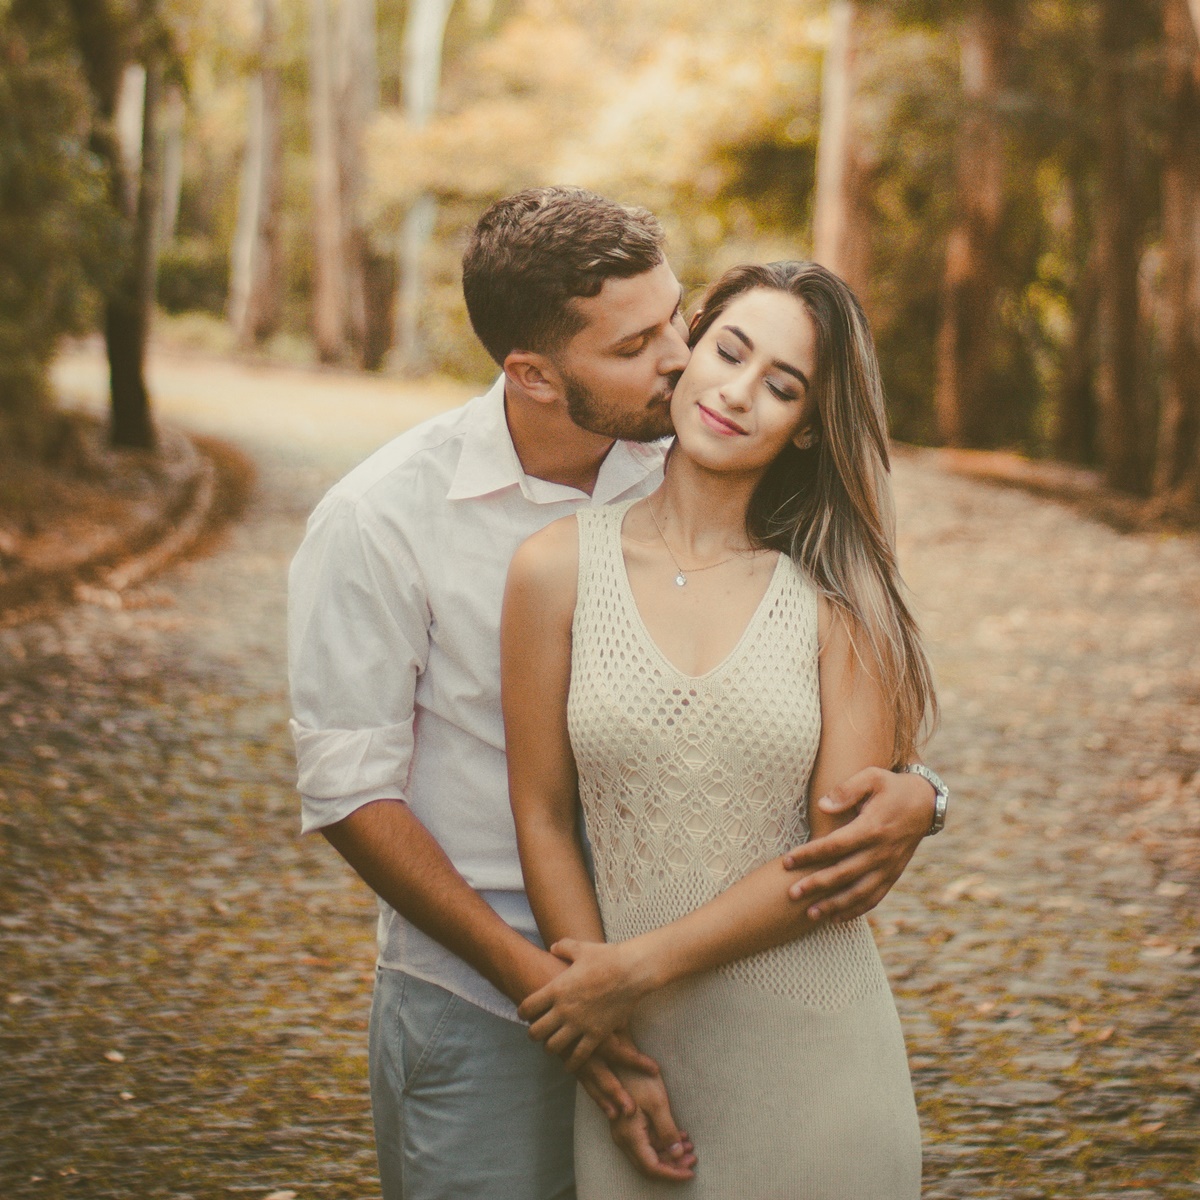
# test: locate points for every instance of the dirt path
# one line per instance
(186, 982)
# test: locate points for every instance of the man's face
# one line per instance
(620, 369)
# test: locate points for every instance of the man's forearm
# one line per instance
(401, 862)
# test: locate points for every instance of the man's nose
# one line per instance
(677, 353)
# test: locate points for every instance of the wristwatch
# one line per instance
(943, 794)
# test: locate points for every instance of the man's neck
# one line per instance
(550, 445)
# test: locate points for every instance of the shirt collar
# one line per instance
(489, 463)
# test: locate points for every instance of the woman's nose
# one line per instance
(736, 393)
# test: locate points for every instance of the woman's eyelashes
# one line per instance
(781, 391)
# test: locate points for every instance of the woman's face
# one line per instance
(745, 393)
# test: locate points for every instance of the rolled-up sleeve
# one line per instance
(358, 638)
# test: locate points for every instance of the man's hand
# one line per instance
(598, 1075)
(854, 867)
(649, 1137)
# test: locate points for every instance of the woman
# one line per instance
(695, 666)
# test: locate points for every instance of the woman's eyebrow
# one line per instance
(744, 338)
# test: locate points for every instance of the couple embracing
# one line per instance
(560, 684)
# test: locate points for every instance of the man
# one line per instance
(394, 650)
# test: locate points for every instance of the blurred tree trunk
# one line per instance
(1075, 415)
(256, 274)
(127, 317)
(172, 167)
(106, 38)
(1118, 238)
(842, 211)
(329, 281)
(424, 34)
(1178, 454)
(969, 289)
(357, 98)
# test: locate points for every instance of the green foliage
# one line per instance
(193, 276)
(56, 233)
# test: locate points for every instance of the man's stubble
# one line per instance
(590, 412)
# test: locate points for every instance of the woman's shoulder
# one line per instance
(549, 559)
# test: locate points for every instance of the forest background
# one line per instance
(1012, 187)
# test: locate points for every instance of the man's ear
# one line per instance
(535, 375)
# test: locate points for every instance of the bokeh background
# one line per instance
(1013, 186)
(230, 234)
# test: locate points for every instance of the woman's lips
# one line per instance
(718, 423)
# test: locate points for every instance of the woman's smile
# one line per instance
(720, 424)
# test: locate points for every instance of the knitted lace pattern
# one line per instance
(689, 783)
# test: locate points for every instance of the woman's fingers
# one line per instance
(567, 949)
(584, 1049)
(561, 1041)
(544, 1027)
(620, 1051)
(535, 1004)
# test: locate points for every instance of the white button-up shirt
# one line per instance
(394, 651)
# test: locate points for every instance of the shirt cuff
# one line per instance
(317, 814)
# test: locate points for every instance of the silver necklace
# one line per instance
(681, 578)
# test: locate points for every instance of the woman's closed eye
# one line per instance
(782, 390)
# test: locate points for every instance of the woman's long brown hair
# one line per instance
(830, 507)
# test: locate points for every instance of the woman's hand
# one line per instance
(591, 999)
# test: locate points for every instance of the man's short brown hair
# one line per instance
(533, 252)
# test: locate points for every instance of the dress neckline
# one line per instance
(619, 512)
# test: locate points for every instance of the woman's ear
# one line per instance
(535, 375)
(804, 438)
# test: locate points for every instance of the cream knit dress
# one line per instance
(787, 1068)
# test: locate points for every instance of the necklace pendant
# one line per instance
(680, 579)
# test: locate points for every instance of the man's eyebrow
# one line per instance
(778, 362)
(641, 333)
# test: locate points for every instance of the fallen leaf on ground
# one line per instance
(1170, 888)
(1105, 1033)
(280, 1196)
(1075, 1025)
(960, 887)
(1152, 1126)
(114, 1056)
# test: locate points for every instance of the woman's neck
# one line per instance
(703, 512)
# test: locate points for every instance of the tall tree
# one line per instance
(1118, 247)
(1178, 452)
(424, 36)
(357, 98)
(256, 274)
(964, 340)
(842, 210)
(108, 39)
(329, 282)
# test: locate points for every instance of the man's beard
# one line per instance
(589, 412)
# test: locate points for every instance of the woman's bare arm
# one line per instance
(535, 650)
(756, 913)
(535, 653)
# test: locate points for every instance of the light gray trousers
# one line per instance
(466, 1107)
